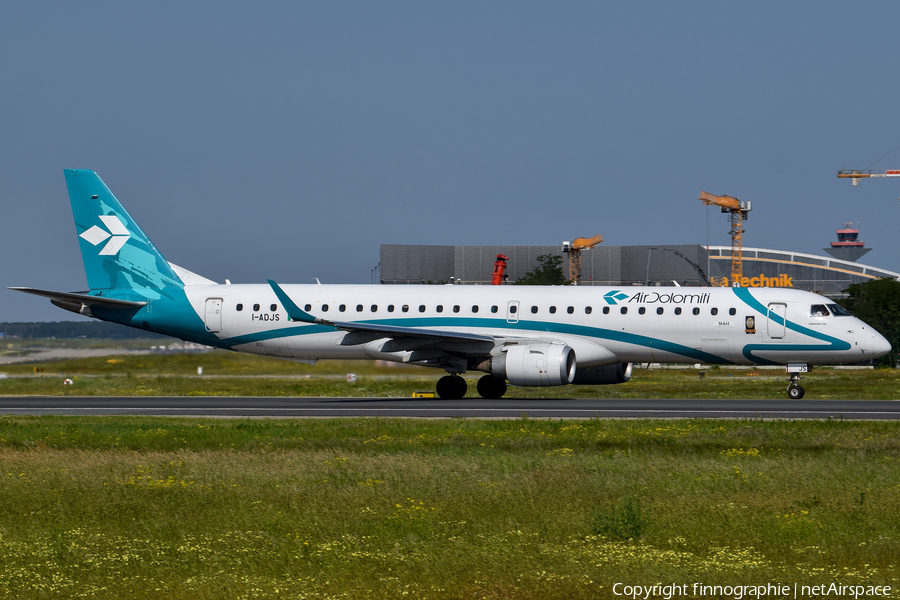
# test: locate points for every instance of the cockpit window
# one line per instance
(818, 310)
(839, 311)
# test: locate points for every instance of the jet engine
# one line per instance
(535, 365)
(617, 373)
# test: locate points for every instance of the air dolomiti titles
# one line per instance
(656, 297)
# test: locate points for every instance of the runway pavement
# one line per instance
(508, 408)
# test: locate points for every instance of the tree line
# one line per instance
(76, 329)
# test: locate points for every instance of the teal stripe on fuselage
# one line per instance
(494, 325)
(275, 334)
(834, 344)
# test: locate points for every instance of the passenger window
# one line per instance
(324, 308)
(605, 310)
(732, 311)
(342, 307)
(642, 310)
(696, 311)
(818, 310)
(456, 308)
(659, 310)
(307, 307)
(534, 310)
(714, 311)
(474, 309)
(421, 308)
(256, 308)
(570, 310)
(273, 308)
(390, 308)
(588, 310)
(839, 311)
(513, 309)
(359, 308)
(494, 309)
(439, 308)
(677, 310)
(373, 308)
(405, 308)
(624, 310)
(239, 307)
(552, 310)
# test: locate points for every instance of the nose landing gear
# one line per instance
(795, 390)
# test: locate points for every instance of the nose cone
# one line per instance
(880, 345)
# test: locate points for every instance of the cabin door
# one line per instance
(214, 315)
(775, 321)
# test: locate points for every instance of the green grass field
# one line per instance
(152, 507)
(233, 374)
(146, 507)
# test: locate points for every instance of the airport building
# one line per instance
(629, 265)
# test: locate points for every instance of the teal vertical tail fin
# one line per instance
(117, 254)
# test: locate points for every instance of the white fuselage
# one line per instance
(602, 325)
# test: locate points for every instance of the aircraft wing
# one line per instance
(81, 299)
(363, 333)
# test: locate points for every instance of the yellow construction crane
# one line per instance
(573, 249)
(738, 210)
(854, 176)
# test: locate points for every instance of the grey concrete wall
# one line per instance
(616, 265)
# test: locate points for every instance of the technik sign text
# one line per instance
(761, 281)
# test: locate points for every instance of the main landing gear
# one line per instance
(451, 387)
(454, 387)
(491, 387)
(795, 390)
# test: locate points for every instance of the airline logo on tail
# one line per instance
(117, 234)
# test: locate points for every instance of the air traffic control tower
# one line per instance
(847, 247)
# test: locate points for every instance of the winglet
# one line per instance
(292, 309)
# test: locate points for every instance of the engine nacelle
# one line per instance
(535, 365)
(617, 373)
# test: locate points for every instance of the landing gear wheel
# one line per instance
(490, 387)
(795, 392)
(451, 387)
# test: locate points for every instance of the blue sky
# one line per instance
(289, 140)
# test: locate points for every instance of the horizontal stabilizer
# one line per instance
(82, 299)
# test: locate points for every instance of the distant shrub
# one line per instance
(624, 522)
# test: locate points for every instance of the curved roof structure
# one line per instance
(804, 271)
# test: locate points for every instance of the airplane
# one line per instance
(524, 335)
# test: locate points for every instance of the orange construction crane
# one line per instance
(854, 176)
(499, 269)
(738, 210)
(573, 249)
